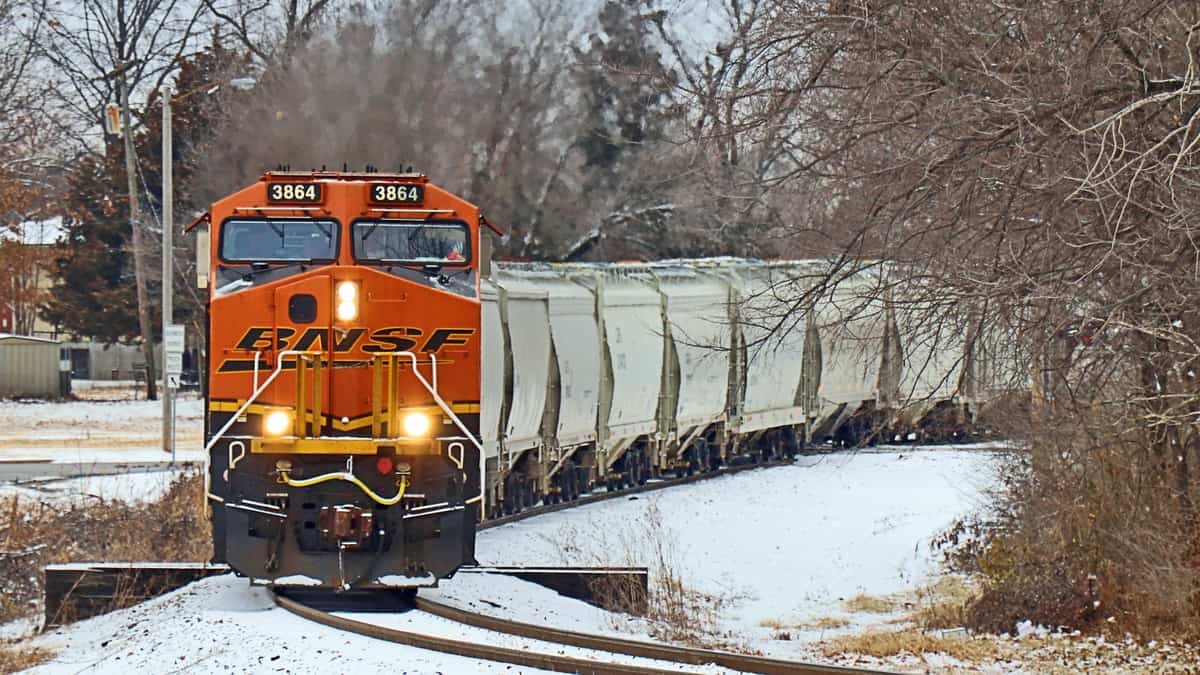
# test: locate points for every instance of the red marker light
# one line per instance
(384, 465)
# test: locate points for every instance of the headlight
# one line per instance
(347, 301)
(276, 423)
(415, 424)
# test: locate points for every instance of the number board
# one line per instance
(294, 193)
(397, 193)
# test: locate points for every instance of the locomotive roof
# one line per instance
(343, 175)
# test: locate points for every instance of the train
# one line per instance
(377, 385)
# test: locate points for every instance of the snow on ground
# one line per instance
(223, 625)
(527, 602)
(97, 430)
(782, 545)
(428, 624)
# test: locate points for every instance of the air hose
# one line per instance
(350, 478)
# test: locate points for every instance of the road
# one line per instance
(21, 471)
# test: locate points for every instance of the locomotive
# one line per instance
(342, 420)
(377, 386)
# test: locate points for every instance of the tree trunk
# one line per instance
(135, 224)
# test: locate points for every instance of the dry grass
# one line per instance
(874, 604)
(822, 623)
(945, 603)
(912, 641)
(34, 534)
(16, 658)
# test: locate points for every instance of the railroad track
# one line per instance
(669, 655)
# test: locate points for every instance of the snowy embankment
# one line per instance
(774, 545)
(780, 546)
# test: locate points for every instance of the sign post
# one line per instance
(173, 342)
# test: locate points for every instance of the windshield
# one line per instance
(411, 241)
(279, 240)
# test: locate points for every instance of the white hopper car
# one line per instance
(609, 374)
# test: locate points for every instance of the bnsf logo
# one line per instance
(391, 339)
(381, 341)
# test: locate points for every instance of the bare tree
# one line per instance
(272, 30)
(1033, 166)
(106, 50)
(473, 94)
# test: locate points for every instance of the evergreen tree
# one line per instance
(94, 292)
(623, 83)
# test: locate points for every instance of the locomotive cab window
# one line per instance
(415, 242)
(268, 241)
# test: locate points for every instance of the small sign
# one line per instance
(173, 380)
(112, 119)
(173, 337)
(294, 193)
(397, 193)
(174, 364)
(173, 342)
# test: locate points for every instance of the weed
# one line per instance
(14, 659)
(945, 603)
(822, 623)
(873, 604)
(911, 641)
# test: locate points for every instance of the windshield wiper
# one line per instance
(259, 267)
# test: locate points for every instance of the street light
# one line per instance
(168, 244)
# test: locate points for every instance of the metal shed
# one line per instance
(29, 366)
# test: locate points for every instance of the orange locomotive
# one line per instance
(344, 377)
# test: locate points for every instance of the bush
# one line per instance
(37, 533)
(1090, 533)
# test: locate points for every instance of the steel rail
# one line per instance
(663, 652)
(555, 662)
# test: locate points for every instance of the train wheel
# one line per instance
(791, 445)
(635, 473)
(578, 483)
(582, 484)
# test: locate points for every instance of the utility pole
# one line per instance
(135, 224)
(168, 272)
